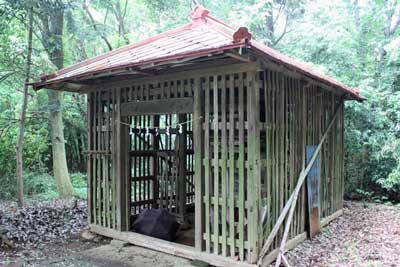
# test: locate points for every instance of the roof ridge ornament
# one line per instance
(241, 34)
(199, 12)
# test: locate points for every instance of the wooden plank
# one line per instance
(90, 113)
(325, 221)
(216, 166)
(224, 172)
(181, 179)
(155, 146)
(313, 193)
(241, 159)
(103, 193)
(107, 162)
(158, 107)
(292, 243)
(254, 170)
(199, 171)
(121, 155)
(207, 162)
(273, 150)
(232, 164)
(113, 159)
(169, 247)
(268, 158)
(97, 166)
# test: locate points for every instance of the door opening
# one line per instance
(162, 168)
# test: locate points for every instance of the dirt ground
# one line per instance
(363, 236)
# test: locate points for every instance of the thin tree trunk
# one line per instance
(20, 141)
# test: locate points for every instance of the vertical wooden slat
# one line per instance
(223, 166)
(241, 111)
(268, 158)
(199, 170)
(254, 170)
(274, 142)
(106, 159)
(98, 159)
(90, 112)
(232, 164)
(207, 163)
(120, 166)
(181, 179)
(113, 150)
(216, 167)
(102, 162)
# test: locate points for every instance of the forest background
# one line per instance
(354, 41)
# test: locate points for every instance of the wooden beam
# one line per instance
(292, 243)
(158, 107)
(201, 71)
(325, 221)
(172, 248)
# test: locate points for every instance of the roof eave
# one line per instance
(50, 83)
(351, 95)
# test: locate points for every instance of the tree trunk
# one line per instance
(392, 22)
(64, 186)
(269, 21)
(20, 141)
(52, 17)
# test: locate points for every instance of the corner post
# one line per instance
(254, 167)
(198, 158)
(121, 165)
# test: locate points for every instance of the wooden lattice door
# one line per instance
(162, 163)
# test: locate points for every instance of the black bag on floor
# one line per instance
(157, 223)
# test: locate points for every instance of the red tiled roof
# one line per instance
(205, 34)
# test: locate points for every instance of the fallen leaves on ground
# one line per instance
(365, 235)
(43, 222)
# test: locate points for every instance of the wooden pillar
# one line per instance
(182, 167)
(89, 157)
(121, 166)
(155, 144)
(254, 167)
(199, 170)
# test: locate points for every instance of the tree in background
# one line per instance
(355, 41)
(20, 142)
(51, 17)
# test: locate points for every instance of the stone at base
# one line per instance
(118, 243)
(199, 263)
(89, 236)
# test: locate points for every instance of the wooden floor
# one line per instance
(186, 237)
(172, 248)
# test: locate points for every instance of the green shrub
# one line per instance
(79, 182)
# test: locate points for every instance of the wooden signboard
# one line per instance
(313, 192)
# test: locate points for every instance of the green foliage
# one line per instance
(41, 186)
(344, 39)
(79, 182)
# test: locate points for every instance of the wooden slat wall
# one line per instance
(231, 164)
(102, 183)
(292, 116)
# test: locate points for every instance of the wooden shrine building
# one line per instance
(217, 128)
